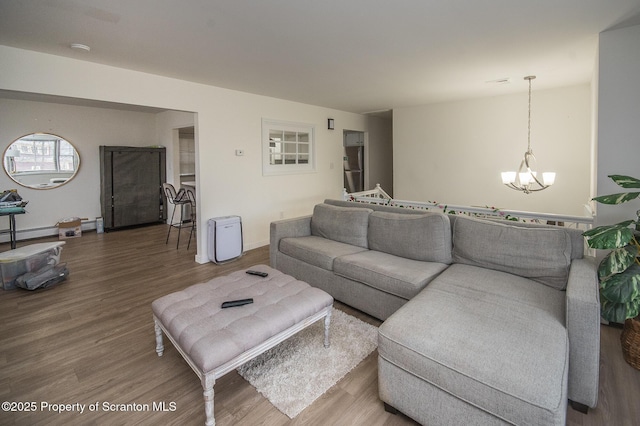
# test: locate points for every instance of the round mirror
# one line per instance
(41, 161)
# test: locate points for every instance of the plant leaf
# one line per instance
(617, 261)
(618, 198)
(610, 236)
(626, 181)
(618, 312)
(623, 287)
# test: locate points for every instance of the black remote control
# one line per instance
(240, 302)
(258, 273)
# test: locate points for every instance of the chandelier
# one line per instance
(526, 179)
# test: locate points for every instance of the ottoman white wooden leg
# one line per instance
(327, 322)
(207, 385)
(159, 345)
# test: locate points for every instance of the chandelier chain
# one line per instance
(529, 122)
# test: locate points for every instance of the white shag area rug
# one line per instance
(299, 370)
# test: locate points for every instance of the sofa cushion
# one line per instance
(425, 237)
(542, 254)
(343, 224)
(316, 251)
(392, 274)
(490, 338)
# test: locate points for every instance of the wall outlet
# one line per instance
(239, 152)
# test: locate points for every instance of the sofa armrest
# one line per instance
(295, 227)
(583, 328)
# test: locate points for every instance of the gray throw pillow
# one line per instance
(541, 254)
(424, 237)
(343, 224)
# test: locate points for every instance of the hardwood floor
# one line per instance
(90, 340)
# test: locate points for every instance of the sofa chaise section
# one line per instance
(508, 333)
(500, 347)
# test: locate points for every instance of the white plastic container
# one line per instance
(16, 262)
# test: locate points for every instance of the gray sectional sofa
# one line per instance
(485, 322)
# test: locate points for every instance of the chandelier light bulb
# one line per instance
(508, 177)
(525, 178)
(548, 178)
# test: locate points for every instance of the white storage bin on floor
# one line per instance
(17, 262)
(224, 240)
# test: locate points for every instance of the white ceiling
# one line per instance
(352, 55)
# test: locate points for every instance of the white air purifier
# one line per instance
(224, 238)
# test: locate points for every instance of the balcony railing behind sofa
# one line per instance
(379, 196)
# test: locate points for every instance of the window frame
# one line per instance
(301, 160)
(41, 149)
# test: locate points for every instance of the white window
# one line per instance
(287, 147)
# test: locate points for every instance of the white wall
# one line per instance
(86, 128)
(454, 152)
(379, 154)
(618, 118)
(225, 120)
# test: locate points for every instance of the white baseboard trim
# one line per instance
(47, 231)
(204, 258)
(256, 245)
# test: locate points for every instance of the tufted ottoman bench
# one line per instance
(215, 341)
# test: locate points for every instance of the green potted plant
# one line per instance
(619, 271)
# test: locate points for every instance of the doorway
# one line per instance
(187, 170)
(187, 154)
(353, 160)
